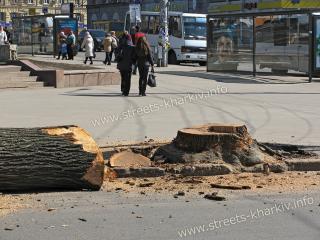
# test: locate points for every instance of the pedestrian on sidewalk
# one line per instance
(71, 42)
(107, 46)
(3, 36)
(64, 49)
(126, 58)
(62, 38)
(114, 45)
(8, 35)
(137, 34)
(88, 44)
(144, 60)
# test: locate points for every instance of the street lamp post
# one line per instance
(164, 33)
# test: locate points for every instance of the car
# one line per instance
(97, 35)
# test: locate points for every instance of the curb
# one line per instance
(304, 165)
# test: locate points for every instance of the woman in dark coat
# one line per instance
(125, 59)
(144, 60)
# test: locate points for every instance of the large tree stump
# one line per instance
(64, 157)
(204, 137)
(216, 144)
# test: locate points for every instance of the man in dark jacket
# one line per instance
(126, 59)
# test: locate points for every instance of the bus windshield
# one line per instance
(195, 28)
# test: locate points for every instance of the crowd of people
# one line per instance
(130, 51)
(67, 43)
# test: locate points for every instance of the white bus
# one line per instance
(187, 35)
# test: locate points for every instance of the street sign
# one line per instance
(45, 10)
(135, 13)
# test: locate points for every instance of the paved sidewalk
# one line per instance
(283, 109)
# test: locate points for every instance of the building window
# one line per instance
(30, 2)
(46, 2)
(2, 15)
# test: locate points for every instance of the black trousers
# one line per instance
(70, 52)
(143, 78)
(125, 82)
(108, 58)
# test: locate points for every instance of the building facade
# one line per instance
(15, 8)
(110, 14)
(222, 6)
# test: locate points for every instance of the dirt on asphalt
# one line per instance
(251, 182)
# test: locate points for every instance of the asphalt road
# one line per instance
(275, 109)
(280, 109)
(116, 216)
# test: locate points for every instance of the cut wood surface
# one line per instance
(63, 157)
(129, 159)
(204, 137)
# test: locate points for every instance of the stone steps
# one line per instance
(12, 77)
(4, 75)
(9, 68)
(24, 84)
(18, 79)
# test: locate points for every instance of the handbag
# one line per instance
(152, 79)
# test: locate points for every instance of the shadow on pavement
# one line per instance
(245, 78)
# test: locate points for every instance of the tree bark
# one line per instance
(63, 157)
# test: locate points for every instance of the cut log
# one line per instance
(63, 157)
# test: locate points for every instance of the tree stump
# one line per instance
(63, 157)
(216, 144)
(205, 137)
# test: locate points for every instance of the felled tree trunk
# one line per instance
(64, 157)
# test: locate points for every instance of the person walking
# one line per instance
(114, 44)
(88, 44)
(144, 60)
(107, 46)
(71, 42)
(62, 38)
(137, 34)
(3, 36)
(8, 34)
(125, 60)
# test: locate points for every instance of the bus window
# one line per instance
(151, 24)
(144, 23)
(157, 25)
(127, 26)
(154, 25)
(175, 26)
(195, 28)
